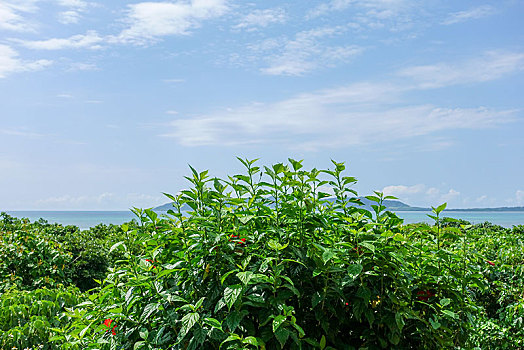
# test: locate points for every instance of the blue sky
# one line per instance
(105, 103)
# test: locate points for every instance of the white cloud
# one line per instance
(21, 133)
(474, 13)
(175, 81)
(357, 114)
(90, 40)
(10, 63)
(261, 18)
(74, 12)
(148, 21)
(69, 17)
(81, 66)
(421, 195)
(402, 190)
(373, 14)
(519, 196)
(304, 53)
(12, 15)
(64, 95)
(490, 66)
(100, 201)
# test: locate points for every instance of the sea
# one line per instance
(86, 219)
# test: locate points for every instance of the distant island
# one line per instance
(391, 205)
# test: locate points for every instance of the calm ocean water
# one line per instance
(86, 219)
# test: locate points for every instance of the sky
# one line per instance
(104, 104)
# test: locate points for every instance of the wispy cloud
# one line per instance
(12, 15)
(423, 195)
(519, 197)
(261, 19)
(307, 51)
(82, 66)
(90, 40)
(21, 133)
(328, 119)
(149, 21)
(174, 81)
(11, 63)
(98, 201)
(74, 12)
(64, 95)
(356, 114)
(474, 13)
(492, 65)
(393, 14)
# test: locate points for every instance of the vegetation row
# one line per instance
(278, 257)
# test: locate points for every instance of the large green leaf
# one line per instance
(231, 294)
(188, 321)
(277, 322)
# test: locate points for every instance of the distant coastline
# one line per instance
(393, 205)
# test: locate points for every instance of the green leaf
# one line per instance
(138, 345)
(188, 321)
(251, 341)
(282, 334)
(227, 274)
(144, 333)
(214, 323)
(441, 207)
(116, 245)
(323, 342)
(245, 276)
(299, 329)
(435, 324)
(245, 219)
(445, 302)
(276, 246)
(231, 294)
(277, 321)
(328, 255)
(450, 313)
(354, 270)
(316, 299)
(399, 321)
(398, 237)
(373, 198)
(368, 246)
(233, 319)
(148, 310)
(232, 337)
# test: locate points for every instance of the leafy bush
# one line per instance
(30, 260)
(27, 318)
(277, 257)
(265, 260)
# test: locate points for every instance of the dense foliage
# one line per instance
(278, 257)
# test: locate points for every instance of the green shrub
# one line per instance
(27, 318)
(266, 260)
(276, 258)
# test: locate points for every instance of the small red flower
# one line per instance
(151, 261)
(490, 262)
(347, 304)
(242, 240)
(424, 295)
(107, 323)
